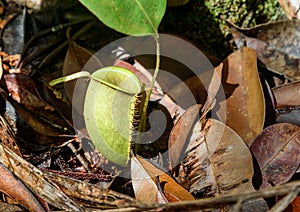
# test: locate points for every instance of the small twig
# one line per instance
(284, 202)
(237, 206)
(230, 199)
(47, 31)
(62, 46)
(78, 156)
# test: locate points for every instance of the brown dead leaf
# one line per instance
(296, 204)
(244, 103)
(287, 98)
(17, 191)
(76, 58)
(144, 187)
(287, 95)
(24, 91)
(218, 162)
(144, 179)
(276, 45)
(157, 93)
(35, 180)
(94, 193)
(14, 34)
(180, 133)
(289, 115)
(291, 8)
(277, 151)
(8, 136)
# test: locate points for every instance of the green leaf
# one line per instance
(109, 111)
(131, 17)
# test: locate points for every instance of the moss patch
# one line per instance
(201, 21)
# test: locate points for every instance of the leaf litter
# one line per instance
(211, 163)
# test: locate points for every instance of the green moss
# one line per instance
(201, 21)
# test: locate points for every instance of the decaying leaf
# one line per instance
(144, 186)
(289, 115)
(14, 31)
(8, 136)
(291, 8)
(75, 60)
(38, 124)
(244, 103)
(180, 133)
(16, 190)
(23, 90)
(218, 161)
(34, 179)
(277, 151)
(92, 192)
(276, 45)
(287, 95)
(145, 178)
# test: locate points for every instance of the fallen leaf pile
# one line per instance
(236, 147)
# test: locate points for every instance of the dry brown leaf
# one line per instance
(17, 191)
(218, 161)
(244, 103)
(276, 45)
(287, 95)
(144, 179)
(35, 180)
(277, 151)
(94, 193)
(24, 91)
(49, 134)
(75, 60)
(291, 8)
(180, 133)
(144, 187)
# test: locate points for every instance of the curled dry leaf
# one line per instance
(277, 151)
(244, 103)
(145, 177)
(276, 45)
(16, 190)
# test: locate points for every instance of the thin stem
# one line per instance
(142, 124)
(70, 77)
